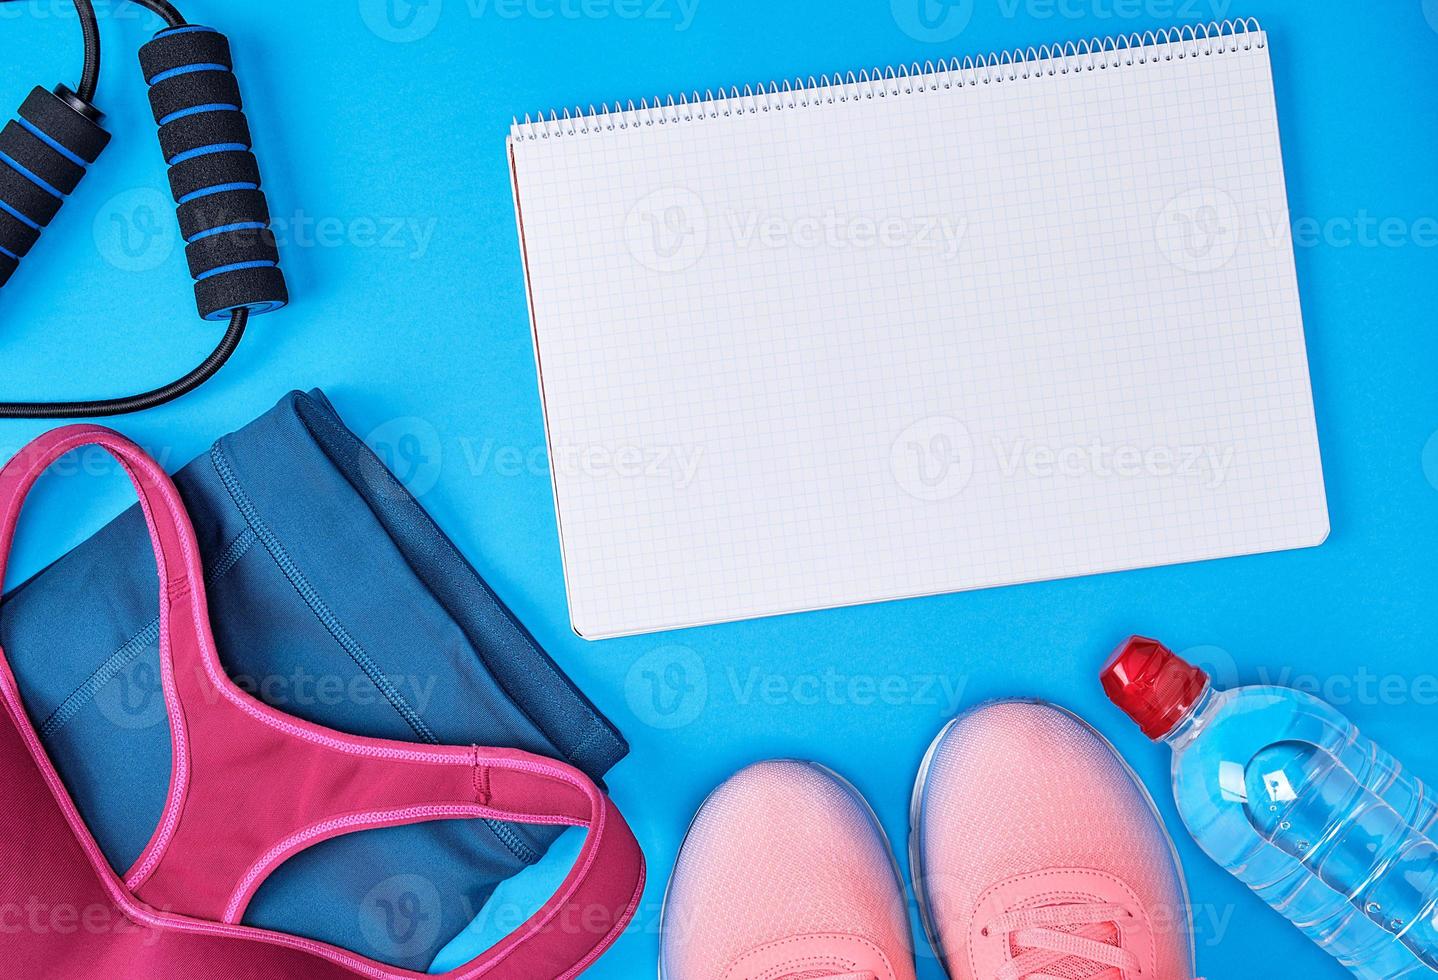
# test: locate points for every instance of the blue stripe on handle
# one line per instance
(269, 306)
(212, 107)
(186, 29)
(37, 181)
(237, 226)
(185, 70)
(49, 141)
(256, 309)
(237, 267)
(218, 189)
(18, 216)
(205, 150)
(6, 251)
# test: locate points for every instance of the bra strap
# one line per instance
(598, 898)
(171, 534)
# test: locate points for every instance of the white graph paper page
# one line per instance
(918, 335)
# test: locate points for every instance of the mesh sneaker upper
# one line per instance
(1016, 788)
(782, 850)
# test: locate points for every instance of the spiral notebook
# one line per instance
(914, 331)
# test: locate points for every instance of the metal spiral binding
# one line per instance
(1051, 60)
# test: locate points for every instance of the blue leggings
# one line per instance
(334, 597)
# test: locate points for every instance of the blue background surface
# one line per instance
(382, 144)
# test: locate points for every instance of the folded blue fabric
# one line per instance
(335, 598)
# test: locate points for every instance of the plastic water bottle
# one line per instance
(1282, 791)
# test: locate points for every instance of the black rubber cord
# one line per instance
(90, 28)
(239, 319)
(171, 16)
(90, 31)
(136, 403)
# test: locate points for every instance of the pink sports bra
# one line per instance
(251, 787)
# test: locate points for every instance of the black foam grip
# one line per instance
(183, 48)
(215, 179)
(51, 115)
(214, 170)
(27, 197)
(16, 237)
(259, 290)
(190, 91)
(231, 248)
(222, 210)
(39, 158)
(43, 156)
(189, 134)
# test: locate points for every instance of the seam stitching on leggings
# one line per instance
(134, 646)
(600, 727)
(502, 831)
(306, 591)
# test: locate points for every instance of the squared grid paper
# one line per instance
(920, 343)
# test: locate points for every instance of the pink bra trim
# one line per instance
(339, 826)
(463, 782)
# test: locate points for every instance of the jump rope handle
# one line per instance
(214, 176)
(44, 153)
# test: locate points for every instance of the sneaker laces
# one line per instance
(1064, 934)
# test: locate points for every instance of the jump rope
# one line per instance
(214, 178)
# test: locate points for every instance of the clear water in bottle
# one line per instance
(1283, 791)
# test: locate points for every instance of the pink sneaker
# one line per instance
(1038, 854)
(785, 875)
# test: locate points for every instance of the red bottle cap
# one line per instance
(1153, 685)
